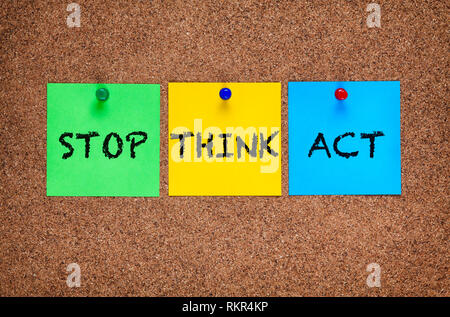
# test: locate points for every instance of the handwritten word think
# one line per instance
(233, 144)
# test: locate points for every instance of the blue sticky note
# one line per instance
(344, 147)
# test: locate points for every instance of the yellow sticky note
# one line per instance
(223, 147)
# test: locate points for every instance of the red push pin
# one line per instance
(341, 94)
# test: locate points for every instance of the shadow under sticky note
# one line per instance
(344, 147)
(103, 148)
(224, 147)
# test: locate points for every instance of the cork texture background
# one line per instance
(224, 246)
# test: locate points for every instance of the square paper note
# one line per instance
(102, 148)
(224, 146)
(344, 147)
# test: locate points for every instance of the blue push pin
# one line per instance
(225, 93)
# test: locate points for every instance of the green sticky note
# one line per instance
(103, 148)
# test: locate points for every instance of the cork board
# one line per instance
(224, 246)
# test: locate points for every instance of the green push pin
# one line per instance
(102, 94)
